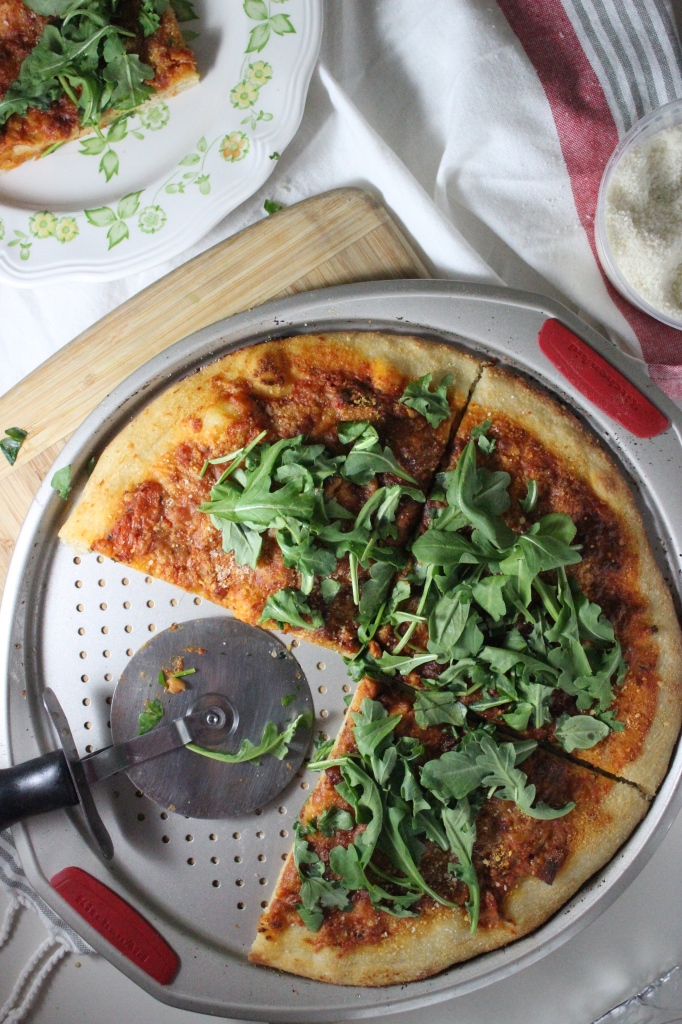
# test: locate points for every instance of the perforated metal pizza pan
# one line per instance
(72, 624)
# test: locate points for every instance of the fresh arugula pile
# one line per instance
(280, 486)
(83, 54)
(499, 634)
(398, 799)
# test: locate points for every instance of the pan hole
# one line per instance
(80, 608)
(282, 810)
(174, 602)
(81, 631)
(240, 906)
(109, 700)
(321, 665)
(213, 836)
(191, 860)
(140, 817)
(107, 654)
(236, 835)
(76, 560)
(125, 581)
(259, 835)
(103, 606)
(262, 881)
(86, 702)
(197, 600)
(215, 860)
(324, 713)
(85, 679)
(148, 579)
(295, 643)
(88, 725)
(165, 839)
(284, 856)
(139, 794)
(163, 815)
(100, 559)
(89, 749)
(258, 811)
(108, 676)
(304, 785)
(261, 856)
(78, 583)
(237, 859)
(150, 604)
(240, 882)
(105, 629)
(263, 904)
(130, 652)
(283, 833)
(215, 883)
(324, 736)
(101, 583)
(322, 689)
(151, 627)
(346, 688)
(128, 629)
(190, 839)
(126, 604)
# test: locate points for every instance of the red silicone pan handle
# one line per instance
(599, 382)
(117, 922)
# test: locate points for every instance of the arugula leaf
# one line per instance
(150, 15)
(481, 496)
(334, 818)
(330, 589)
(184, 10)
(436, 708)
(151, 716)
(433, 405)
(289, 606)
(480, 434)
(580, 732)
(61, 482)
(528, 503)
(460, 831)
(271, 742)
(372, 725)
(270, 206)
(366, 458)
(10, 445)
(453, 775)
(510, 783)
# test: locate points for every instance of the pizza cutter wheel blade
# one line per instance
(243, 679)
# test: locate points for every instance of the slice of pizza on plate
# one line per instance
(284, 480)
(424, 844)
(70, 67)
(535, 596)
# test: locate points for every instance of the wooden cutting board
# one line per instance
(338, 237)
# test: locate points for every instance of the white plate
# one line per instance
(180, 167)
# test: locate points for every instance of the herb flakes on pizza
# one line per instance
(70, 67)
(426, 843)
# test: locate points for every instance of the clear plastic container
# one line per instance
(667, 116)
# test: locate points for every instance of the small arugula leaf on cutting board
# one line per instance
(10, 445)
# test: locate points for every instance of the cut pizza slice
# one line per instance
(283, 481)
(69, 68)
(535, 595)
(424, 844)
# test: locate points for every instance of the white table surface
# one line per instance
(376, 118)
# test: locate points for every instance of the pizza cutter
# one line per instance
(243, 678)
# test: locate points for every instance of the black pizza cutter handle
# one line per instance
(52, 782)
(36, 787)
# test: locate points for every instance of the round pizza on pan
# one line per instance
(479, 561)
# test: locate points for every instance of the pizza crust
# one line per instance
(500, 393)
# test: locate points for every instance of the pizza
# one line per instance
(47, 100)
(478, 559)
(390, 888)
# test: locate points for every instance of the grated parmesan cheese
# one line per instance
(643, 218)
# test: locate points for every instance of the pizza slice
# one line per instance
(535, 595)
(283, 481)
(425, 844)
(69, 67)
